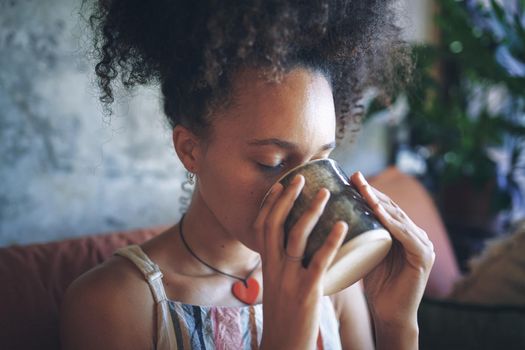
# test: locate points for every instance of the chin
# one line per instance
(249, 240)
(251, 244)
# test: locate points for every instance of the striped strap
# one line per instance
(165, 331)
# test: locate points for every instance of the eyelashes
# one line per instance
(272, 169)
(284, 163)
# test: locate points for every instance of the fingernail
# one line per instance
(373, 196)
(296, 179)
(324, 189)
(275, 188)
(361, 177)
(344, 230)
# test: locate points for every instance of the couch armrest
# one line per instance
(33, 280)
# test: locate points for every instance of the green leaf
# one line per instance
(520, 33)
(498, 11)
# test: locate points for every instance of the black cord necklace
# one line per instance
(245, 290)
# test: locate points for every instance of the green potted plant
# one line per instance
(466, 117)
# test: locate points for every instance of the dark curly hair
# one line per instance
(194, 48)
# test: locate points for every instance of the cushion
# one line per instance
(497, 276)
(33, 280)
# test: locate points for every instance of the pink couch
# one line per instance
(33, 280)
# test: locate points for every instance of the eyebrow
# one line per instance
(285, 144)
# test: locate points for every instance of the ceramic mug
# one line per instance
(366, 243)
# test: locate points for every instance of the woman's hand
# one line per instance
(395, 287)
(292, 293)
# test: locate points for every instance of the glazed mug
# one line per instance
(367, 241)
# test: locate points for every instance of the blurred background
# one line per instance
(69, 170)
(459, 127)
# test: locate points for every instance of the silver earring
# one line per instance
(191, 177)
(187, 190)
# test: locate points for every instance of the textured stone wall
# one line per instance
(67, 170)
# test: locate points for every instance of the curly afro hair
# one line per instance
(194, 48)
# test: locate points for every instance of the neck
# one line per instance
(212, 243)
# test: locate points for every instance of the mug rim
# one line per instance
(303, 165)
(330, 160)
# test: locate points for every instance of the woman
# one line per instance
(251, 89)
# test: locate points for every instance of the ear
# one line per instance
(188, 147)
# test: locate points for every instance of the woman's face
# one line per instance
(268, 129)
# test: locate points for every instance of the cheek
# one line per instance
(234, 194)
(249, 201)
(247, 194)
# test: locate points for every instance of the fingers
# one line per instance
(402, 231)
(398, 214)
(274, 212)
(326, 254)
(383, 201)
(298, 235)
(413, 238)
(274, 221)
(266, 207)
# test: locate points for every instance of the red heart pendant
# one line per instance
(246, 293)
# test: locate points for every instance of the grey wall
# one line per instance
(66, 170)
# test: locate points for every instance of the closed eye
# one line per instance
(271, 168)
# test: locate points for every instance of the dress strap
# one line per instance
(153, 276)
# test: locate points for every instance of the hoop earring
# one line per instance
(191, 177)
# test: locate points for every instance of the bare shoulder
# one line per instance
(354, 318)
(108, 307)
